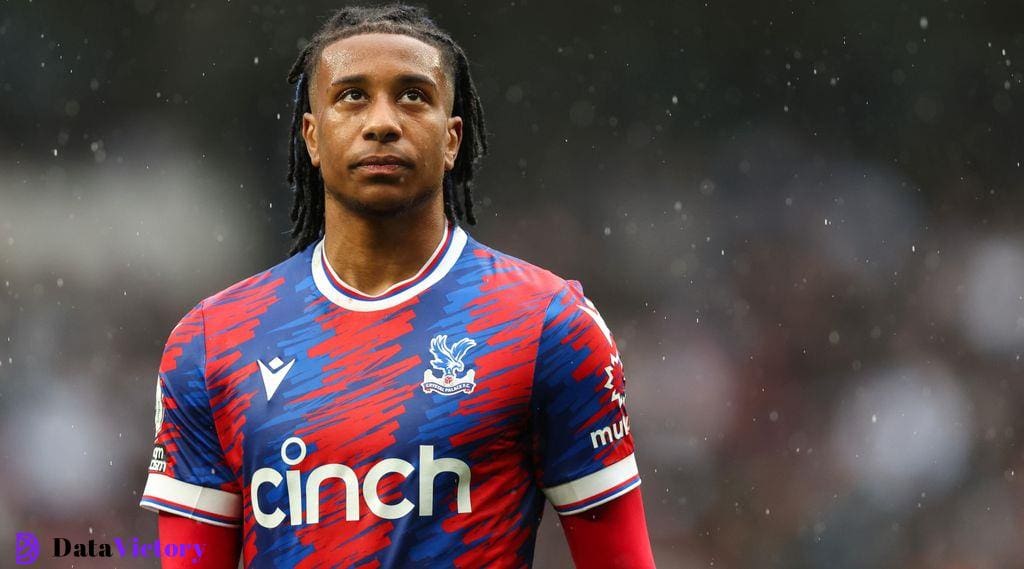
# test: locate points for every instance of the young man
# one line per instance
(395, 394)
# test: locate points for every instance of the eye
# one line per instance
(351, 95)
(414, 95)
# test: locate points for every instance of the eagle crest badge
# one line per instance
(449, 361)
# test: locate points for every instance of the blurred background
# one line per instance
(801, 220)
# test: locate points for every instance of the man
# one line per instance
(395, 394)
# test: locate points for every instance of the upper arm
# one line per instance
(612, 535)
(584, 450)
(200, 545)
(188, 474)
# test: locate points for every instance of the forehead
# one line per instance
(380, 53)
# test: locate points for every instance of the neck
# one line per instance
(372, 253)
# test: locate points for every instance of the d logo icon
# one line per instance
(26, 548)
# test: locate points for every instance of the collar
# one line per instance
(434, 269)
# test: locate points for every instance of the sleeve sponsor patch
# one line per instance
(159, 461)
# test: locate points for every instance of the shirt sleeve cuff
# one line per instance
(208, 505)
(594, 489)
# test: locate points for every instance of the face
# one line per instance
(380, 129)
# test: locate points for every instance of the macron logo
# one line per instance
(274, 373)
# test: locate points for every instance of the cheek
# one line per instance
(337, 129)
(335, 139)
(438, 143)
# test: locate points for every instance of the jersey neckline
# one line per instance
(345, 295)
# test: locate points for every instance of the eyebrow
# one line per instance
(404, 79)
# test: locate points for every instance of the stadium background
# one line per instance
(801, 220)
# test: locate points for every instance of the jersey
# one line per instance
(421, 427)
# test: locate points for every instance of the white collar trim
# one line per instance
(327, 288)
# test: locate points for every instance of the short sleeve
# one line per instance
(582, 442)
(188, 474)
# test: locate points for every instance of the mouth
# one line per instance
(382, 164)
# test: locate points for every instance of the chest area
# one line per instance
(356, 389)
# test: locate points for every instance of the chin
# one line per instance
(384, 200)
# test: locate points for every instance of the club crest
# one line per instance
(449, 361)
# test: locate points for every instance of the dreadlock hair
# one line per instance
(307, 185)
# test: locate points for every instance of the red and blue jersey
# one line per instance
(422, 427)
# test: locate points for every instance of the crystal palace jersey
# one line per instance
(422, 427)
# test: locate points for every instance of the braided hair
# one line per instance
(307, 213)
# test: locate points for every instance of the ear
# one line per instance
(309, 133)
(451, 150)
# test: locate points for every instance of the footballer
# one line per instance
(394, 394)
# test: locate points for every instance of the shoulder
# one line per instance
(264, 282)
(559, 302)
(250, 296)
(518, 276)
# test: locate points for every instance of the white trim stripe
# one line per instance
(327, 288)
(210, 505)
(153, 506)
(597, 501)
(574, 496)
(445, 238)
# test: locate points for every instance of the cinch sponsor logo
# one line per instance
(26, 550)
(304, 507)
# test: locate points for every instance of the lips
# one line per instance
(382, 162)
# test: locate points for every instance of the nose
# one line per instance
(381, 122)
